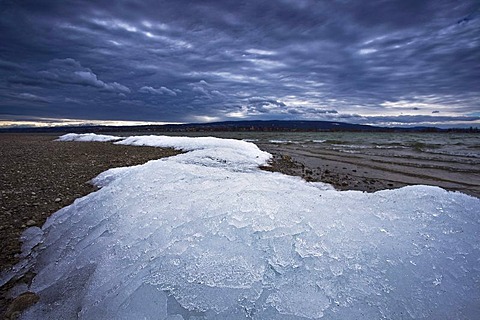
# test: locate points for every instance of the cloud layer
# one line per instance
(380, 62)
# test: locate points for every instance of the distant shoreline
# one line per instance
(239, 126)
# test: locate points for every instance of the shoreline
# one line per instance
(369, 173)
(41, 176)
(336, 174)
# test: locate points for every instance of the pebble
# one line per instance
(20, 303)
(31, 223)
(58, 199)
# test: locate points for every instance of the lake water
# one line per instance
(423, 145)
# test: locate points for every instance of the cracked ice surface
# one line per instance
(207, 235)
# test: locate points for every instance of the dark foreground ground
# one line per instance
(38, 176)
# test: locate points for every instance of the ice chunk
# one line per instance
(30, 238)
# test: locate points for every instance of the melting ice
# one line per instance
(207, 235)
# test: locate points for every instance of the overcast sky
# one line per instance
(385, 62)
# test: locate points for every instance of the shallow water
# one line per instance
(424, 144)
(419, 144)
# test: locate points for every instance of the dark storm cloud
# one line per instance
(7, 65)
(69, 71)
(402, 120)
(360, 61)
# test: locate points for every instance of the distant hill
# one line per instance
(280, 125)
(254, 125)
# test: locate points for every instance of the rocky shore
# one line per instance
(341, 176)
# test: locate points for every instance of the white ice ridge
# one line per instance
(207, 235)
(88, 137)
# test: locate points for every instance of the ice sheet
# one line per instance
(207, 235)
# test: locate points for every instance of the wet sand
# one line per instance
(380, 170)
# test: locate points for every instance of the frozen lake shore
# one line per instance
(254, 243)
